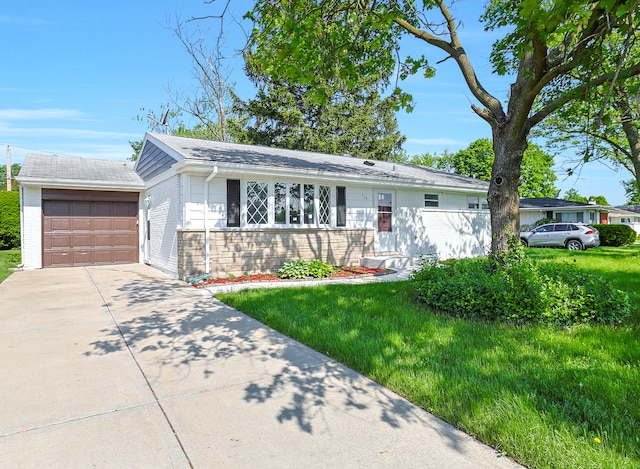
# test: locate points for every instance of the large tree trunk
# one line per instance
(509, 145)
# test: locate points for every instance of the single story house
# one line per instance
(190, 207)
(626, 215)
(534, 209)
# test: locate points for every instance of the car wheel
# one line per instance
(524, 242)
(574, 245)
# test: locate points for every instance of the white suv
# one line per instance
(573, 236)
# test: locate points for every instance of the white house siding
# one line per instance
(361, 207)
(630, 220)
(448, 231)
(528, 218)
(31, 227)
(164, 215)
(194, 205)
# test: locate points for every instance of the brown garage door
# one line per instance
(89, 227)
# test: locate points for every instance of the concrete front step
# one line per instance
(388, 262)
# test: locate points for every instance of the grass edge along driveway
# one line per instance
(548, 397)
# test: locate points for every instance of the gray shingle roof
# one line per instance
(70, 168)
(267, 157)
(547, 202)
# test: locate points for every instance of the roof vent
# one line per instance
(369, 163)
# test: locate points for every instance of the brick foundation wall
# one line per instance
(235, 251)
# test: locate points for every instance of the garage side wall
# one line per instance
(31, 227)
(449, 231)
(163, 222)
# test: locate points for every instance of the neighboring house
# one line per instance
(222, 208)
(626, 215)
(534, 209)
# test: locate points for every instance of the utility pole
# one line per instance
(8, 168)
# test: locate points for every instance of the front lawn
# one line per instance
(548, 397)
(8, 260)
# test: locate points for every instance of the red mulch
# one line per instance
(340, 272)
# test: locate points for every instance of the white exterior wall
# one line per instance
(361, 207)
(448, 231)
(31, 226)
(194, 205)
(164, 214)
(529, 217)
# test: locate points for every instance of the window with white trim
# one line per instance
(325, 205)
(431, 200)
(309, 192)
(257, 203)
(475, 203)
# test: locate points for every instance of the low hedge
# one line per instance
(9, 220)
(526, 291)
(616, 235)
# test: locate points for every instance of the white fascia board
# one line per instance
(81, 184)
(244, 171)
(571, 208)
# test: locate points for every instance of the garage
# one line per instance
(89, 227)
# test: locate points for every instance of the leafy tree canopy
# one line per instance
(350, 118)
(632, 192)
(538, 180)
(573, 195)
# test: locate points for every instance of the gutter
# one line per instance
(207, 232)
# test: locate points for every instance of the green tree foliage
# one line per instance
(9, 220)
(354, 120)
(310, 41)
(443, 162)
(573, 195)
(632, 192)
(538, 180)
(15, 169)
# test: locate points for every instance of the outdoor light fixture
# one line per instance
(147, 201)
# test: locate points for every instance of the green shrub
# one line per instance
(524, 292)
(320, 269)
(616, 235)
(9, 220)
(303, 269)
(294, 269)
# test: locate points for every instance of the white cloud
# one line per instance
(9, 133)
(43, 113)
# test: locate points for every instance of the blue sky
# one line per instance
(75, 74)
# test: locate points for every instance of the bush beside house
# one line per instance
(616, 235)
(9, 220)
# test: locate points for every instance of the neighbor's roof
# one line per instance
(254, 156)
(548, 202)
(54, 170)
(625, 210)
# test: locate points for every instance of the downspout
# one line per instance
(207, 233)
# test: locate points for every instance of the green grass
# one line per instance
(539, 394)
(620, 265)
(8, 260)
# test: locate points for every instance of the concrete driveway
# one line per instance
(125, 367)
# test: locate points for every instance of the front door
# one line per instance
(385, 240)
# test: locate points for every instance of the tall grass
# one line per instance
(548, 397)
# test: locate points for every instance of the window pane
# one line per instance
(257, 202)
(384, 212)
(431, 200)
(473, 202)
(294, 204)
(325, 205)
(309, 207)
(280, 202)
(341, 206)
(233, 202)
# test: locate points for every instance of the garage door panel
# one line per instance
(125, 239)
(88, 232)
(125, 224)
(104, 224)
(82, 224)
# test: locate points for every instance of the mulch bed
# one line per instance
(339, 272)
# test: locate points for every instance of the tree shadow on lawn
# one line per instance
(179, 336)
